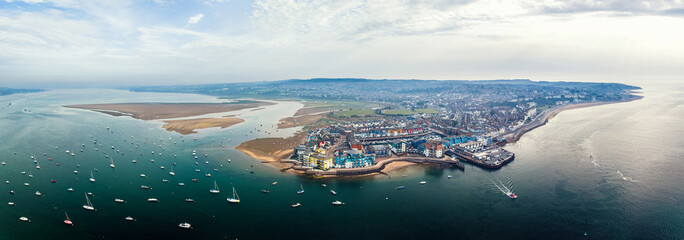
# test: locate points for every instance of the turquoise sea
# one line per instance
(611, 171)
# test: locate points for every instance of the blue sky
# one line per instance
(148, 42)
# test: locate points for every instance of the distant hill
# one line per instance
(8, 91)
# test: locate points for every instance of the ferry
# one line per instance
(184, 225)
(296, 205)
(511, 195)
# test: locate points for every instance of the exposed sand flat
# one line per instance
(152, 111)
(311, 110)
(299, 121)
(396, 165)
(188, 126)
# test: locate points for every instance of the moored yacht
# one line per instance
(184, 225)
(235, 198)
(336, 202)
(294, 205)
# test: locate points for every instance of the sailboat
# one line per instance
(89, 205)
(68, 220)
(92, 179)
(235, 198)
(112, 161)
(215, 189)
(301, 189)
(171, 172)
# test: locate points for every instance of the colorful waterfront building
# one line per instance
(354, 159)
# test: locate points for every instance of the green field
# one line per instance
(355, 113)
(406, 112)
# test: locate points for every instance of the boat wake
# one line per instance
(507, 190)
(628, 179)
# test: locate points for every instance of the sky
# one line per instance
(164, 42)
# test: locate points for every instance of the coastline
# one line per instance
(550, 113)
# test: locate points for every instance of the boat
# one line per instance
(184, 225)
(511, 195)
(215, 190)
(119, 200)
(3, 163)
(449, 176)
(90, 194)
(197, 170)
(143, 175)
(24, 219)
(75, 172)
(399, 187)
(294, 205)
(144, 187)
(52, 181)
(301, 189)
(171, 172)
(208, 174)
(162, 167)
(333, 192)
(129, 218)
(70, 189)
(235, 198)
(181, 184)
(324, 185)
(165, 180)
(422, 182)
(336, 202)
(26, 184)
(274, 183)
(68, 220)
(265, 191)
(92, 179)
(134, 161)
(152, 200)
(112, 163)
(189, 200)
(10, 203)
(38, 193)
(88, 205)
(37, 165)
(195, 180)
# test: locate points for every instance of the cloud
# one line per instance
(195, 19)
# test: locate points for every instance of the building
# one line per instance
(354, 159)
(432, 149)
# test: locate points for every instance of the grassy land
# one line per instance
(355, 113)
(406, 112)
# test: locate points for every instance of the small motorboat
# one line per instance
(11, 203)
(296, 205)
(511, 195)
(38, 193)
(181, 184)
(449, 176)
(152, 200)
(274, 183)
(336, 202)
(333, 192)
(70, 189)
(422, 182)
(52, 181)
(324, 185)
(143, 175)
(184, 225)
(24, 219)
(399, 187)
(11, 191)
(189, 200)
(129, 218)
(119, 200)
(144, 187)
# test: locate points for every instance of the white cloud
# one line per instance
(195, 19)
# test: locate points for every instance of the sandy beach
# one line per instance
(154, 111)
(298, 121)
(189, 126)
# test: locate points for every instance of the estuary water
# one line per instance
(611, 171)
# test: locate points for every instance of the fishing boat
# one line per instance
(235, 198)
(195, 180)
(88, 205)
(152, 200)
(118, 200)
(92, 179)
(37, 165)
(75, 172)
(215, 190)
(301, 189)
(26, 184)
(336, 202)
(294, 205)
(184, 225)
(333, 192)
(68, 220)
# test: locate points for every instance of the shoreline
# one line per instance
(550, 113)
